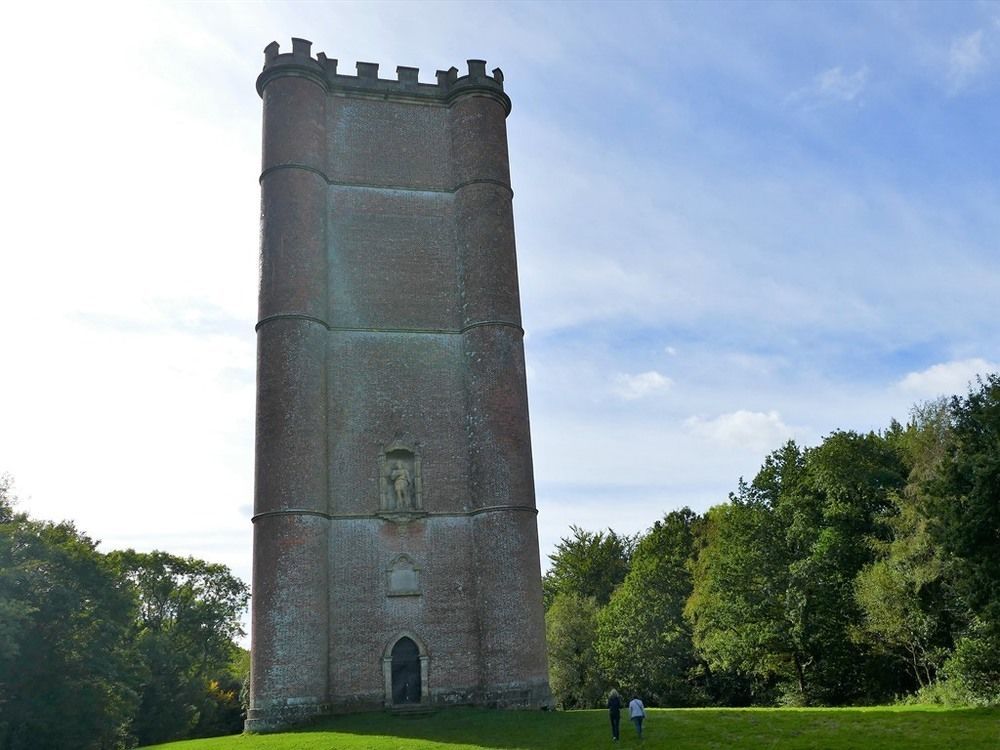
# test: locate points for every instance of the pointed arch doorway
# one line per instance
(404, 666)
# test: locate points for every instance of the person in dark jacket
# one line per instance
(615, 712)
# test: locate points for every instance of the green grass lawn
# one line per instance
(905, 728)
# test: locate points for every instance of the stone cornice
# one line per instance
(383, 186)
(374, 329)
(380, 516)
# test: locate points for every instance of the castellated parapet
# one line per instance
(395, 538)
(323, 70)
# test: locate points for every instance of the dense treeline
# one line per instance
(863, 570)
(106, 651)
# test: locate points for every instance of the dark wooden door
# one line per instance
(405, 672)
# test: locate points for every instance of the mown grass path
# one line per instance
(886, 728)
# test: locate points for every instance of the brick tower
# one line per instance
(395, 540)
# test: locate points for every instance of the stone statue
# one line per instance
(400, 477)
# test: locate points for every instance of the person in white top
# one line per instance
(637, 712)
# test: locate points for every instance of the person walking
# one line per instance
(637, 712)
(615, 712)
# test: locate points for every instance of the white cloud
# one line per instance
(752, 430)
(965, 59)
(836, 84)
(832, 86)
(643, 384)
(946, 378)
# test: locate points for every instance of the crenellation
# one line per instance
(446, 78)
(329, 64)
(477, 69)
(271, 54)
(407, 76)
(322, 69)
(301, 49)
(367, 70)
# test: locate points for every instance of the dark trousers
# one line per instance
(637, 720)
(615, 722)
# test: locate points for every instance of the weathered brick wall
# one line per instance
(390, 329)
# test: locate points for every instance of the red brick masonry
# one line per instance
(394, 490)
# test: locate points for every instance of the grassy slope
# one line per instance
(905, 728)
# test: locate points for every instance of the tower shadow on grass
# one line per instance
(480, 728)
(886, 728)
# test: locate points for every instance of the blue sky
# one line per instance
(737, 223)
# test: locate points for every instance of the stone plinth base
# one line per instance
(518, 696)
(278, 718)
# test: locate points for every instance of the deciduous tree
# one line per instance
(588, 564)
(643, 639)
(66, 665)
(188, 616)
(965, 507)
(570, 630)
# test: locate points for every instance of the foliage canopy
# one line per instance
(105, 650)
(855, 571)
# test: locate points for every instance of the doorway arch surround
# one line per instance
(424, 659)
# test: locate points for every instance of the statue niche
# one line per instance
(400, 486)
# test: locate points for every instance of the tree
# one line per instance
(100, 651)
(888, 592)
(643, 640)
(66, 675)
(570, 630)
(588, 564)
(15, 611)
(964, 502)
(967, 495)
(224, 709)
(774, 586)
(737, 605)
(847, 486)
(189, 613)
(742, 579)
(906, 595)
